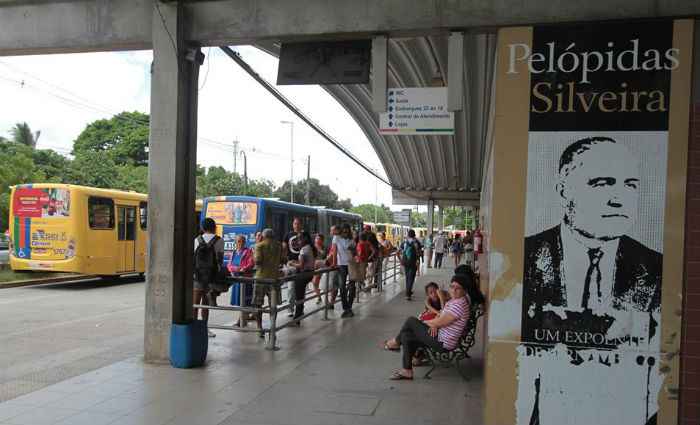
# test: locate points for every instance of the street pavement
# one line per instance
(326, 373)
(52, 332)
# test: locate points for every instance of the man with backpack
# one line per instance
(209, 271)
(409, 254)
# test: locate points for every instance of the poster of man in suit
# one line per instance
(588, 273)
(590, 322)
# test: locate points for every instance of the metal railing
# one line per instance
(390, 270)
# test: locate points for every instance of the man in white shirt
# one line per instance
(440, 246)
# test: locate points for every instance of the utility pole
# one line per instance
(291, 181)
(308, 180)
(245, 172)
(235, 155)
(376, 201)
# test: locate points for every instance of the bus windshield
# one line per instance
(29, 202)
(233, 212)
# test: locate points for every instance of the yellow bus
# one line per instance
(69, 228)
(393, 232)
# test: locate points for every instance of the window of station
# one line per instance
(100, 213)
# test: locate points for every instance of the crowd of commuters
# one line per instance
(357, 257)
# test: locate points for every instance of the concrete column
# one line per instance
(428, 252)
(441, 218)
(379, 73)
(171, 178)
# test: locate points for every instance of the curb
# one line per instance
(20, 283)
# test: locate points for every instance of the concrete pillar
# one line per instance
(441, 218)
(428, 252)
(379, 73)
(171, 178)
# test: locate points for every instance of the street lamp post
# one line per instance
(245, 172)
(291, 181)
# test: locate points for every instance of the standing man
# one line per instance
(208, 261)
(332, 284)
(291, 245)
(409, 255)
(267, 266)
(376, 259)
(440, 246)
(342, 245)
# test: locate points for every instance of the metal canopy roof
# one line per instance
(446, 169)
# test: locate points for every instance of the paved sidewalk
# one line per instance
(326, 373)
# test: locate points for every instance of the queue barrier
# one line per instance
(274, 308)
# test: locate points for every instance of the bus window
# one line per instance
(100, 213)
(311, 224)
(143, 215)
(279, 222)
(130, 224)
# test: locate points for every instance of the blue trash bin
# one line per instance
(188, 344)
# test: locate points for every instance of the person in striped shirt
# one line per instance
(441, 333)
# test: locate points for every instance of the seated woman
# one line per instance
(441, 333)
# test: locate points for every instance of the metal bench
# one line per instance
(452, 357)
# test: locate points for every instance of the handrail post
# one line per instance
(326, 277)
(394, 268)
(242, 319)
(272, 342)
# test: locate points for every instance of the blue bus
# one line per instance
(247, 215)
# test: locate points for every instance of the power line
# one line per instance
(276, 93)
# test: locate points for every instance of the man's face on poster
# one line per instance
(600, 191)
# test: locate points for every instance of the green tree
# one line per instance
(22, 134)
(367, 211)
(53, 165)
(419, 219)
(124, 137)
(17, 168)
(93, 168)
(131, 177)
(216, 181)
(455, 216)
(320, 194)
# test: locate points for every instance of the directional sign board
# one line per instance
(417, 110)
(402, 217)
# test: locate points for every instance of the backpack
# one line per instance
(207, 266)
(409, 255)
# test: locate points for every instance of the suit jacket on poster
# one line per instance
(636, 286)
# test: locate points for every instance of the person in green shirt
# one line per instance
(268, 254)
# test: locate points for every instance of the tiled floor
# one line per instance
(327, 372)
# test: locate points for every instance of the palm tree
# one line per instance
(21, 133)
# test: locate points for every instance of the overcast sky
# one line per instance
(61, 94)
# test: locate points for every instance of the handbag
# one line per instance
(427, 315)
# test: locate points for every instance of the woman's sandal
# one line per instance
(398, 376)
(389, 348)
